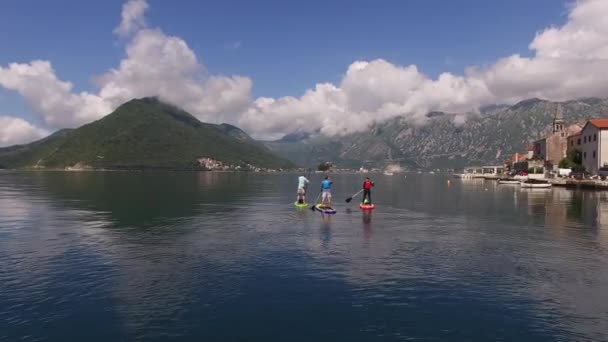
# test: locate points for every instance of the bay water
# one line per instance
(156, 256)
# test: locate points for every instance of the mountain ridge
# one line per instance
(143, 133)
(441, 142)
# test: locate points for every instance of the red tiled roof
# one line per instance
(600, 123)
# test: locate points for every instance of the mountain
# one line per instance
(236, 133)
(295, 137)
(143, 134)
(486, 138)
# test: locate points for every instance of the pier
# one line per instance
(592, 184)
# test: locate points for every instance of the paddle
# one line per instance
(351, 197)
(316, 200)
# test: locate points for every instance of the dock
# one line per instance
(484, 172)
(592, 184)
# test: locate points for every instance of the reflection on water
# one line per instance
(222, 256)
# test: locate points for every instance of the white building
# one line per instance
(594, 145)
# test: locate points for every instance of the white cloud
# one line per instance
(132, 17)
(51, 97)
(567, 62)
(316, 109)
(369, 91)
(155, 64)
(161, 65)
(15, 130)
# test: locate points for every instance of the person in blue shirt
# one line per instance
(326, 191)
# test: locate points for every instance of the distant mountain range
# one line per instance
(143, 134)
(149, 134)
(486, 138)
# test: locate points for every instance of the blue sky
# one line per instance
(300, 56)
(285, 46)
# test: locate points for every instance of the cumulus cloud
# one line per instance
(157, 64)
(567, 62)
(15, 130)
(369, 92)
(132, 17)
(51, 97)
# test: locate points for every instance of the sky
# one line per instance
(274, 67)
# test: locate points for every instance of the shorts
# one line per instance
(326, 194)
(301, 191)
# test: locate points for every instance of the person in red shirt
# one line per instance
(367, 191)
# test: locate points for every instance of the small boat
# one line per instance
(508, 181)
(301, 205)
(386, 173)
(431, 172)
(366, 206)
(538, 184)
(325, 209)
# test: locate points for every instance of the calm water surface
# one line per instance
(209, 256)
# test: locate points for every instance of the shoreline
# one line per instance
(569, 183)
(586, 184)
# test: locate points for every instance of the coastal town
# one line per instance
(571, 155)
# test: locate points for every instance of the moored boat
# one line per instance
(535, 183)
(508, 181)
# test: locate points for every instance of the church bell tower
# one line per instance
(558, 120)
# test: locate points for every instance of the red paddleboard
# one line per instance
(366, 206)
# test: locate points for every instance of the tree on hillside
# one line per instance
(573, 160)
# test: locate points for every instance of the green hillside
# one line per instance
(143, 134)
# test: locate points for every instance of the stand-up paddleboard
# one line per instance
(324, 209)
(366, 206)
(301, 205)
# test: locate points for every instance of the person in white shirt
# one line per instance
(302, 185)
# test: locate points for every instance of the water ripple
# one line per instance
(227, 257)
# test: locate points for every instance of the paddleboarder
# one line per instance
(367, 191)
(302, 186)
(326, 191)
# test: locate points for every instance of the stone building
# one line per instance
(552, 149)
